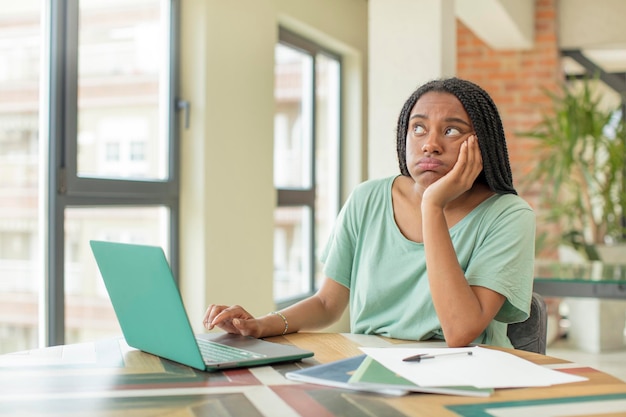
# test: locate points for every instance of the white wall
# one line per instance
(228, 197)
(411, 42)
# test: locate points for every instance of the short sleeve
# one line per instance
(340, 248)
(503, 258)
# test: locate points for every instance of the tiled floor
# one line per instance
(612, 362)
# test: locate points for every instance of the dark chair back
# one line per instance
(531, 334)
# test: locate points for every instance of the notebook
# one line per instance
(152, 316)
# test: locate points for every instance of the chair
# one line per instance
(530, 335)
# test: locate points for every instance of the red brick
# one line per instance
(517, 81)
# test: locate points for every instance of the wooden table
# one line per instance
(107, 378)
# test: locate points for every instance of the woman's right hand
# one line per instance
(234, 319)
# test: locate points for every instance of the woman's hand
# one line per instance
(461, 177)
(234, 319)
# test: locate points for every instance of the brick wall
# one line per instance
(515, 80)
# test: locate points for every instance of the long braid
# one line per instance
(487, 124)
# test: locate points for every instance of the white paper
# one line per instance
(485, 368)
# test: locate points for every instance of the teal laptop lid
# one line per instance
(146, 301)
(152, 316)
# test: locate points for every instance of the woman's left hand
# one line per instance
(461, 177)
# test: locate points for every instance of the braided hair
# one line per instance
(485, 118)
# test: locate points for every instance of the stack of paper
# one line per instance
(476, 373)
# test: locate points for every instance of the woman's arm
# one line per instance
(316, 312)
(464, 311)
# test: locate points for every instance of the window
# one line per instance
(112, 152)
(306, 161)
(137, 151)
(86, 144)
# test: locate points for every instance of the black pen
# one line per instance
(421, 356)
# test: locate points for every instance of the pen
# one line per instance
(421, 356)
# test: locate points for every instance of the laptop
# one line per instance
(152, 316)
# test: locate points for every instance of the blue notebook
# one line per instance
(337, 374)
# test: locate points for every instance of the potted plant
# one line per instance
(581, 168)
(580, 172)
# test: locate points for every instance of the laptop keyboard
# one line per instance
(216, 352)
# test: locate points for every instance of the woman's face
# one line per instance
(438, 125)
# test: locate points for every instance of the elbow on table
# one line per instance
(458, 340)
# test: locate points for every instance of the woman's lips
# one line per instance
(429, 164)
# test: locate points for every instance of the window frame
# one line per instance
(306, 196)
(64, 188)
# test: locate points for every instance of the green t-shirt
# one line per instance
(386, 272)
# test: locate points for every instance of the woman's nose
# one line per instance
(431, 144)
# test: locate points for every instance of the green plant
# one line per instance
(581, 167)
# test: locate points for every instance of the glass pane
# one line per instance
(123, 82)
(89, 314)
(293, 118)
(20, 263)
(327, 151)
(292, 263)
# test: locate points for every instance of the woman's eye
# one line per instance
(419, 129)
(451, 131)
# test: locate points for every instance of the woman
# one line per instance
(445, 250)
